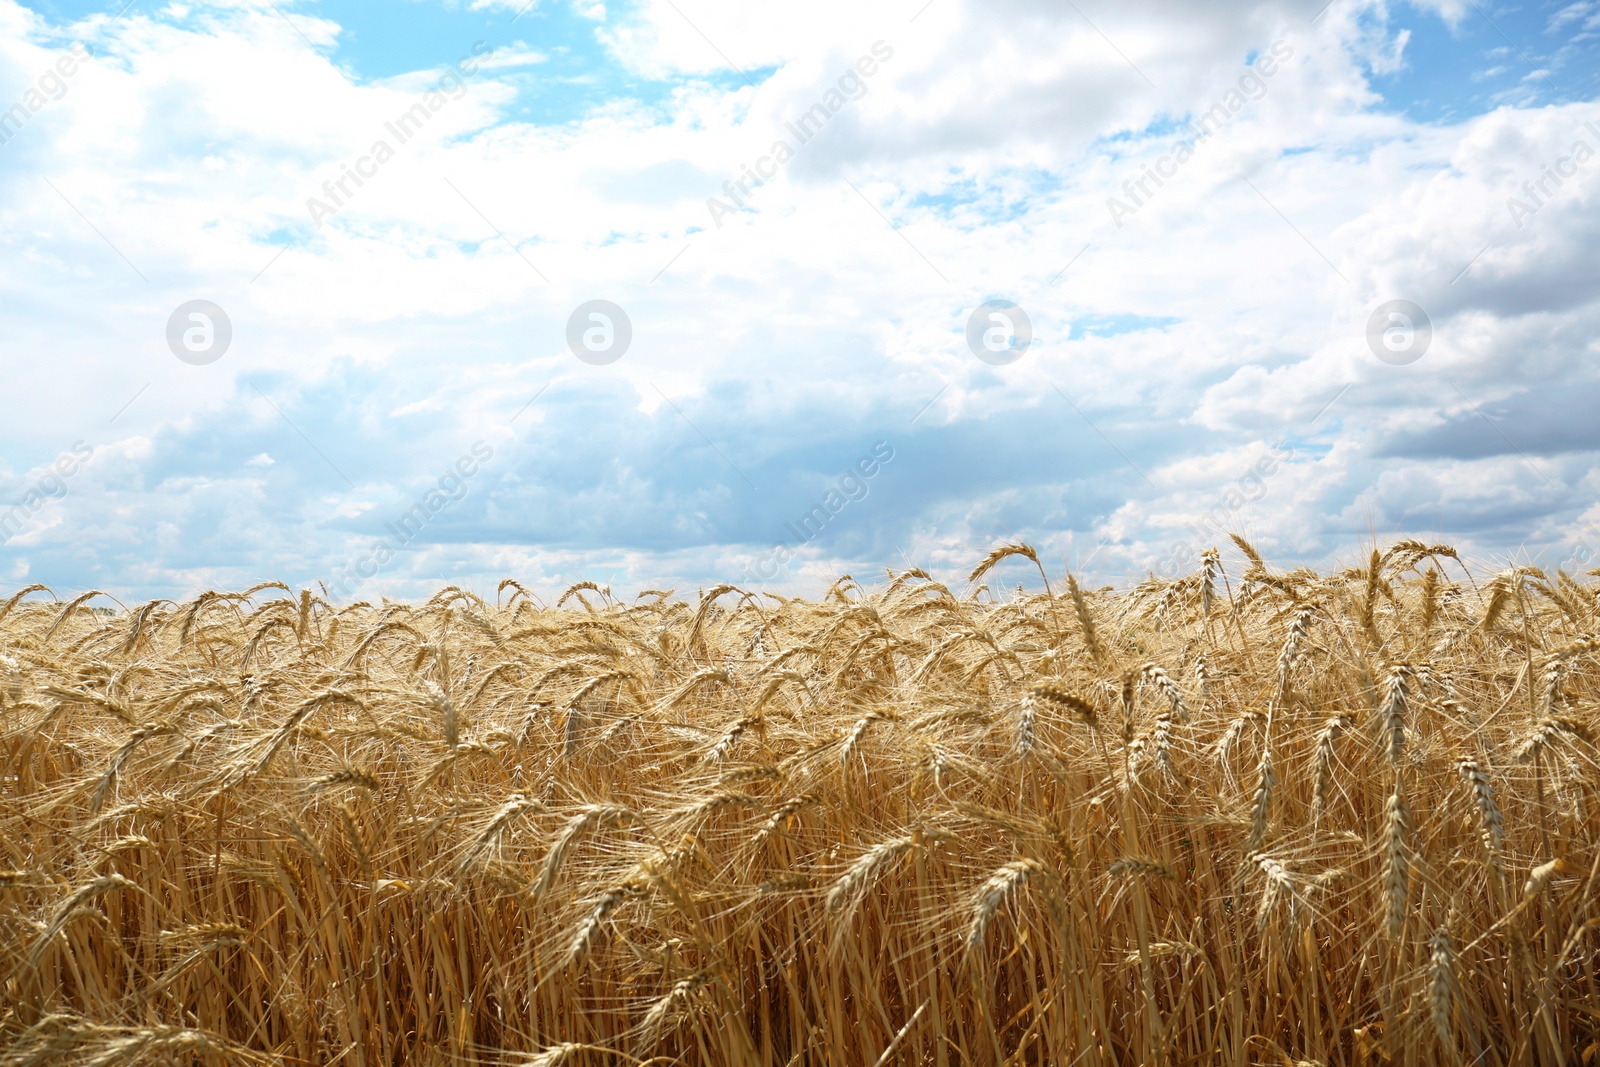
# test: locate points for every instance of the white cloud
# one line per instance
(1220, 317)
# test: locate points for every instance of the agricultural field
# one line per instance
(1248, 816)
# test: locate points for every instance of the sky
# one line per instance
(386, 296)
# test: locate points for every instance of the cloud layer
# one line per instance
(1217, 320)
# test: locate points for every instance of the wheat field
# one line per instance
(1248, 816)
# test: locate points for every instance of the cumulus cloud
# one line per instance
(1220, 317)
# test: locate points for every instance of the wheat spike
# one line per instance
(1322, 761)
(1441, 984)
(1396, 863)
(589, 929)
(1261, 806)
(1491, 823)
(1004, 552)
(1080, 606)
(848, 890)
(1279, 889)
(992, 895)
(1396, 705)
